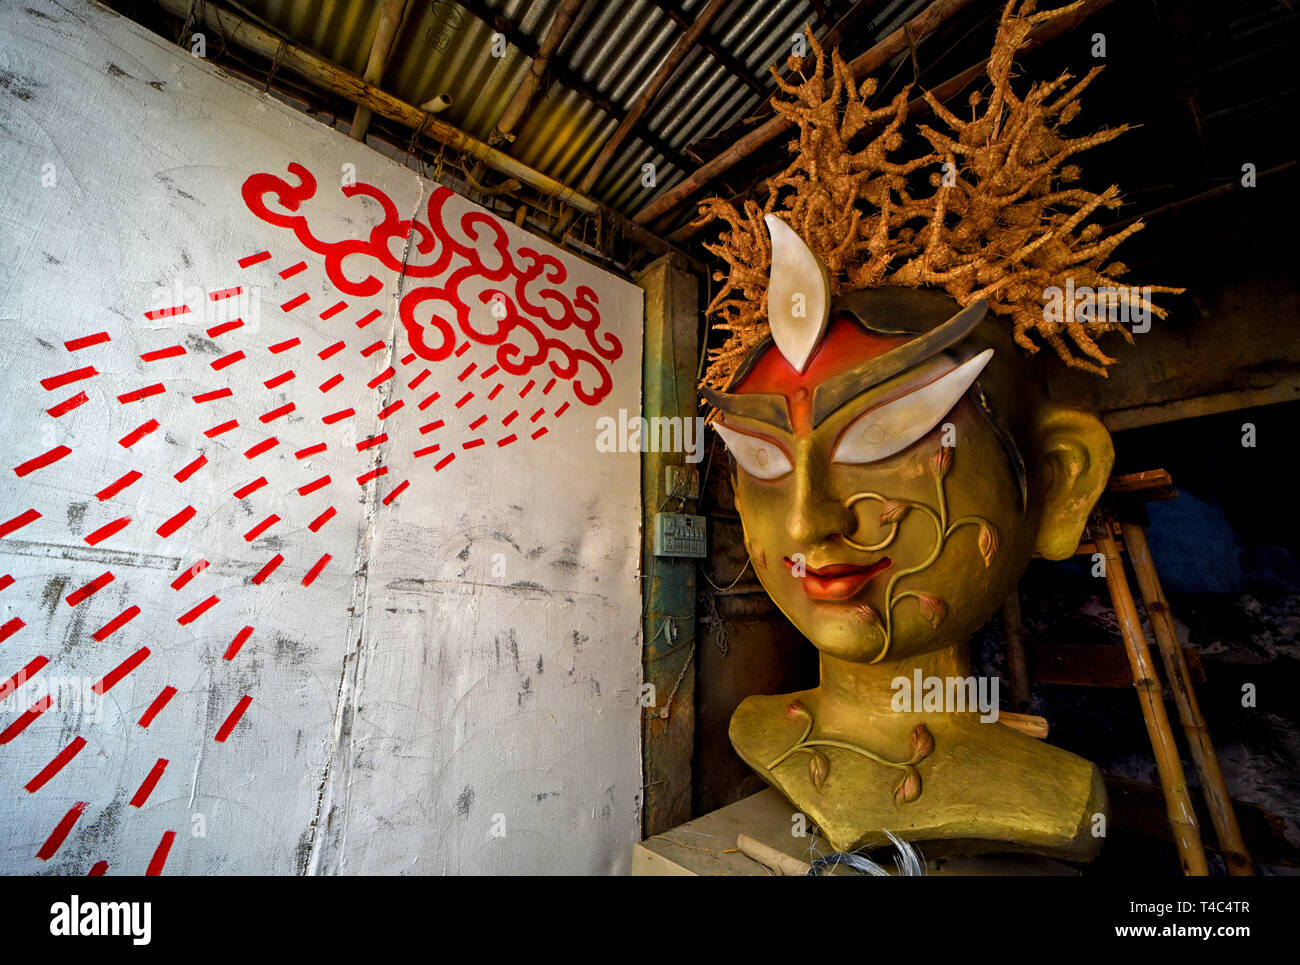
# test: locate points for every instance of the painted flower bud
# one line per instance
(818, 768)
(867, 612)
(922, 742)
(909, 788)
(988, 543)
(892, 512)
(941, 461)
(932, 608)
(796, 711)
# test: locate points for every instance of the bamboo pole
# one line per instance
(1231, 844)
(327, 76)
(1178, 803)
(1017, 668)
(505, 129)
(389, 20)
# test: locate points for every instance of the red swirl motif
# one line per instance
(482, 290)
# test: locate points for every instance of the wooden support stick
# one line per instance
(766, 855)
(1017, 668)
(389, 20)
(1182, 819)
(1231, 844)
(1030, 725)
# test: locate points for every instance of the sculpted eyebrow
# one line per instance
(768, 409)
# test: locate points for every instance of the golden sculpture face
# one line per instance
(874, 554)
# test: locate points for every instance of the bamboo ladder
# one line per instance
(1125, 494)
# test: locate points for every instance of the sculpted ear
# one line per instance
(1077, 456)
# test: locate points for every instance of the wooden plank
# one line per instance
(1093, 665)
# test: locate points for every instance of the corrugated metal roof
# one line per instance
(615, 47)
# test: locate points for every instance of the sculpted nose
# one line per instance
(816, 515)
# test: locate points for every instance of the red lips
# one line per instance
(842, 581)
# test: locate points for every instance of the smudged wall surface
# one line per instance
(303, 504)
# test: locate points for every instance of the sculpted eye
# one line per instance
(761, 458)
(892, 427)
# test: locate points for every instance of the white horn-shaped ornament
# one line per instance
(798, 294)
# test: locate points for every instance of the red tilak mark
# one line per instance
(329, 350)
(77, 344)
(294, 302)
(41, 461)
(76, 375)
(464, 398)
(53, 767)
(10, 628)
(167, 312)
(213, 395)
(90, 589)
(333, 310)
(188, 574)
(189, 616)
(115, 624)
(372, 348)
(311, 487)
(331, 382)
(138, 433)
(224, 427)
(334, 417)
(389, 409)
(514, 414)
(437, 467)
(218, 295)
(149, 784)
(252, 487)
(382, 377)
(561, 410)
(160, 855)
(375, 473)
(170, 352)
(107, 530)
(23, 722)
(488, 373)
(254, 451)
(191, 469)
(415, 382)
(397, 491)
(469, 370)
(267, 570)
(549, 385)
(136, 395)
(6, 581)
(22, 676)
(427, 450)
(115, 487)
(284, 346)
(428, 401)
(527, 388)
(158, 704)
(473, 444)
(279, 380)
(97, 870)
(408, 358)
(539, 433)
(18, 522)
(507, 440)
(225, 327)
(321, 520)
(249, 261)
(372, 441)
(114, 676)
(176, 522)
(241, 638)
(311, 450)
(464, 347)
(261, 528)
(233, 719)
(60, 832)
(314, 572)
(537, 415)
(430, 426)
(67, 405)
(225, 360)
(495, 392)
(367, 319)
(277, 413)
(293, 270)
